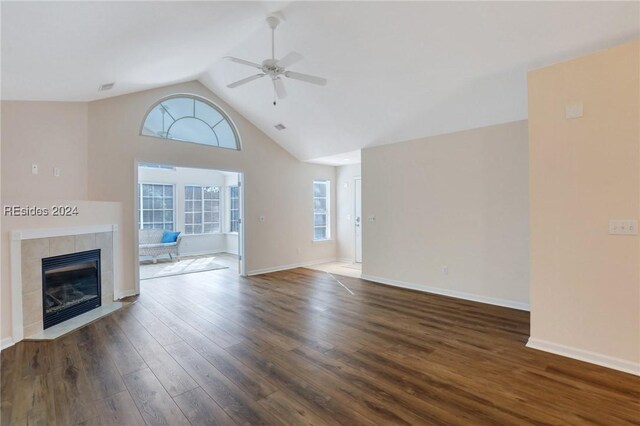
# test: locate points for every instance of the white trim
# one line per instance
(355, 217)
(291, 266)
(136, 220)
(5, 343)
(17, 322)
(446, 292)
(586, 356)
(126, 293)
(31, 234)
(115, 254)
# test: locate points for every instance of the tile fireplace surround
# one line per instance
(28, 248)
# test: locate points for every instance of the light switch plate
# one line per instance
(573, 111)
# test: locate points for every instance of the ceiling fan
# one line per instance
(276, 68)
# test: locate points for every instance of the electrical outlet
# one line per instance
(56, 171)
(34, 169)
(445, 270)
(623, 227)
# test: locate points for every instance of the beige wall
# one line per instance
(585, 284)
(50, 134)
(458, 200)
(277, 186)
(345, 207)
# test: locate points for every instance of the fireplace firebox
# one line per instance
(70, 286)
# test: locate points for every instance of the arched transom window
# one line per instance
(189, 119)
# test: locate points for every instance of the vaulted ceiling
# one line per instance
(396, 70)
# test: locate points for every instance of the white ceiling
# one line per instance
(396, 70)
(342, 159)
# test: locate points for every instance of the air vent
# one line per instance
(107, 86)
(280, 126)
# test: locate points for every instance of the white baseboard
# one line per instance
(5, 343)
(451, 293)
(586, 356)
(291, 266)
(125, 293)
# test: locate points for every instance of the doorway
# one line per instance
(189, 221)
(358, 219)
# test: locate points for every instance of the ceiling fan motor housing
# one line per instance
(273, 22)
(270, 67)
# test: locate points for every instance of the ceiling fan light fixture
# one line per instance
(275, 68)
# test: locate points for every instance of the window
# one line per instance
(190, 119)
(201, 209)
(156, 206)
(321, 191)
(234, 208)
(156, 166)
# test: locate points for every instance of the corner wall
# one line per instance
(458, 200)
(585, 283)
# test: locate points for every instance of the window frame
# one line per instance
(231, 209)
(206, 101)
(327, 211)
(141, 208)
(203, 211)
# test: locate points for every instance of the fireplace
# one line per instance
(70, 286)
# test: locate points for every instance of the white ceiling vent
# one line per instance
(107, 86)
(280, 126)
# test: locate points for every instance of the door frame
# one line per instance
(355, 233)
(242, 260)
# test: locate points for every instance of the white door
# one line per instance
(358, 219)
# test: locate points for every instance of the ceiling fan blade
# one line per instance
(306, 77)
(243, 62)
(278, 85)
(245, 80)
(289, 59)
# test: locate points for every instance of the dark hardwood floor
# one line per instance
(295, 347)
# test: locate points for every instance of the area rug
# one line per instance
(184, 266)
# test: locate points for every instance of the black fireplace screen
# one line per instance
(70, 285)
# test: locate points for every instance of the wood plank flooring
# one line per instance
(296, 348)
